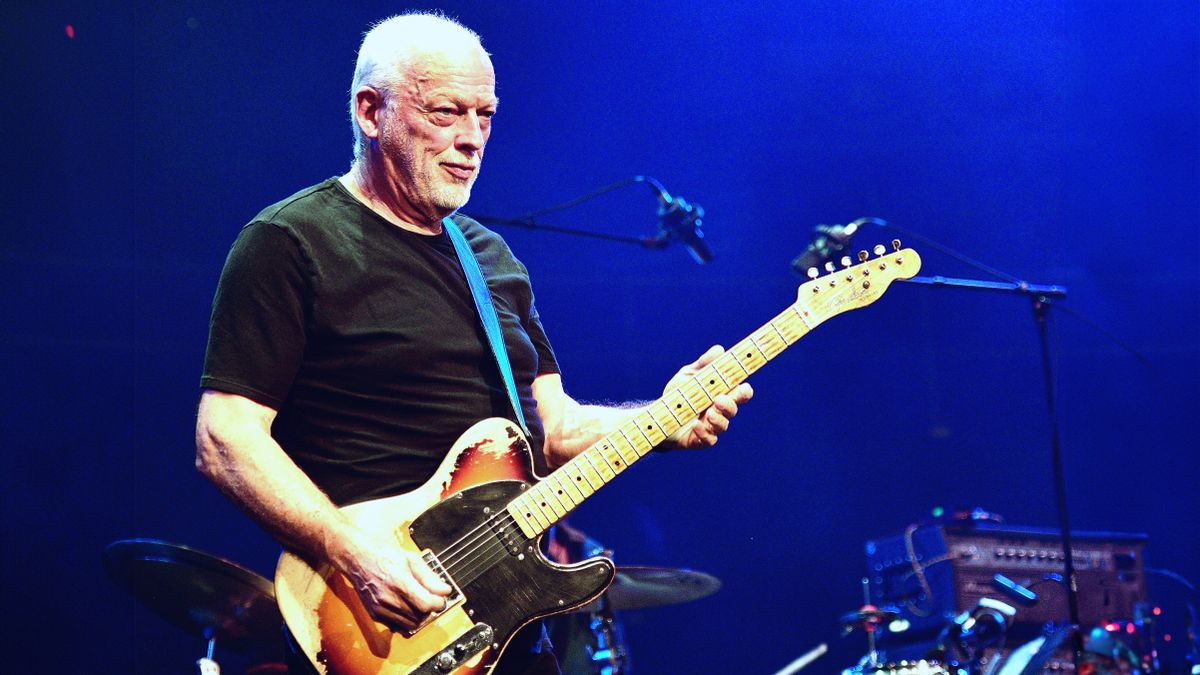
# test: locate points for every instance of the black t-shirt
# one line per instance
(365, 338)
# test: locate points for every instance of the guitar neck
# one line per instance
(567, 487)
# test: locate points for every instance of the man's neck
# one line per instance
(376, 193)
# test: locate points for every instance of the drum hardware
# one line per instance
(804, 660)
(638, 587)
(965, 640)
(201, 594)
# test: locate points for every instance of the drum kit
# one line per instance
(225, 604)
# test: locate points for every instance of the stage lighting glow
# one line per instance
(70, 32)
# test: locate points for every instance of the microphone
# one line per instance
(681, 220)
(827, 242)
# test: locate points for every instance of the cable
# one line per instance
(655, 185)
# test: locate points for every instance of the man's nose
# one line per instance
(471, 135)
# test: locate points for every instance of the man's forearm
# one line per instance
(579, 425)
(239, 456)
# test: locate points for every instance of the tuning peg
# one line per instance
(813, 273)
(896, 245)
(879, 249)
(829, 266)
(846, 261)
(862, 256)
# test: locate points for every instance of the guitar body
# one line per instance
(502, 579)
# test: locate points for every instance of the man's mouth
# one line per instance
(460, 171)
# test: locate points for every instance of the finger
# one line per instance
(744, 392)
(715, 422)
(705, 437)
(392, 612)
(432, 582)
(424, 600)
(393, 619)
(724, 405)
(707, 357)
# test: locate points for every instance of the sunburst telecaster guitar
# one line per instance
(479, 520)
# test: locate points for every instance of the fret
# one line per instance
(574, 481)
(769, 341)
(788, 331)
(594, 478)
(664, 418)
(577, 481)
(730, 370)
(678, 405)
(711, 382)
(625, 447)
(606, 455)
(547, 501)
(563, 491)
(640, 442)
(695, 395)
(748, 356)
(598, 464)
(803, 316)
(529, 504)
(649, 428)
(612, 454)
(523, 518)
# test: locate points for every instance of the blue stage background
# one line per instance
(1057, 141)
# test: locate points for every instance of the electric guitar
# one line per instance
(479, 520)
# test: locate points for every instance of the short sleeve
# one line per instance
(256, 337)
(547, 362)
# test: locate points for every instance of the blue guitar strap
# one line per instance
(487, 313)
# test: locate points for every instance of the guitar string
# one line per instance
(453, 554)
(462, 561)
(456, 559)
(473, 536)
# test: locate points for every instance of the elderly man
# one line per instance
(345, 353)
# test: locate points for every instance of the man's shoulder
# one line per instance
(480, 236)
(303, 207)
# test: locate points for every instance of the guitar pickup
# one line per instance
(470, 643)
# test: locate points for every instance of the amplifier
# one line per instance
(931, 574)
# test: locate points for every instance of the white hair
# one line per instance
(392, 46)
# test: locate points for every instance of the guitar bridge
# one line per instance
(452, 600)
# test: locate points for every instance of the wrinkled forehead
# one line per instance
(464, 72)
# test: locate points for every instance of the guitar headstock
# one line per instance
(850, 286)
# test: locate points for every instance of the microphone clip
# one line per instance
(682, 220)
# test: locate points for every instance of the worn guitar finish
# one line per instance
(478, 521)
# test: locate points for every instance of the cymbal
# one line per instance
(204, 595)
(636, 587)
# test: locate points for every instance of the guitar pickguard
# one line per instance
(504, 578)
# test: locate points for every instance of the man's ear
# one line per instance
(368, 106)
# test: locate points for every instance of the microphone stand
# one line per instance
(528, 221)
(656, 242)
(1042, 297)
